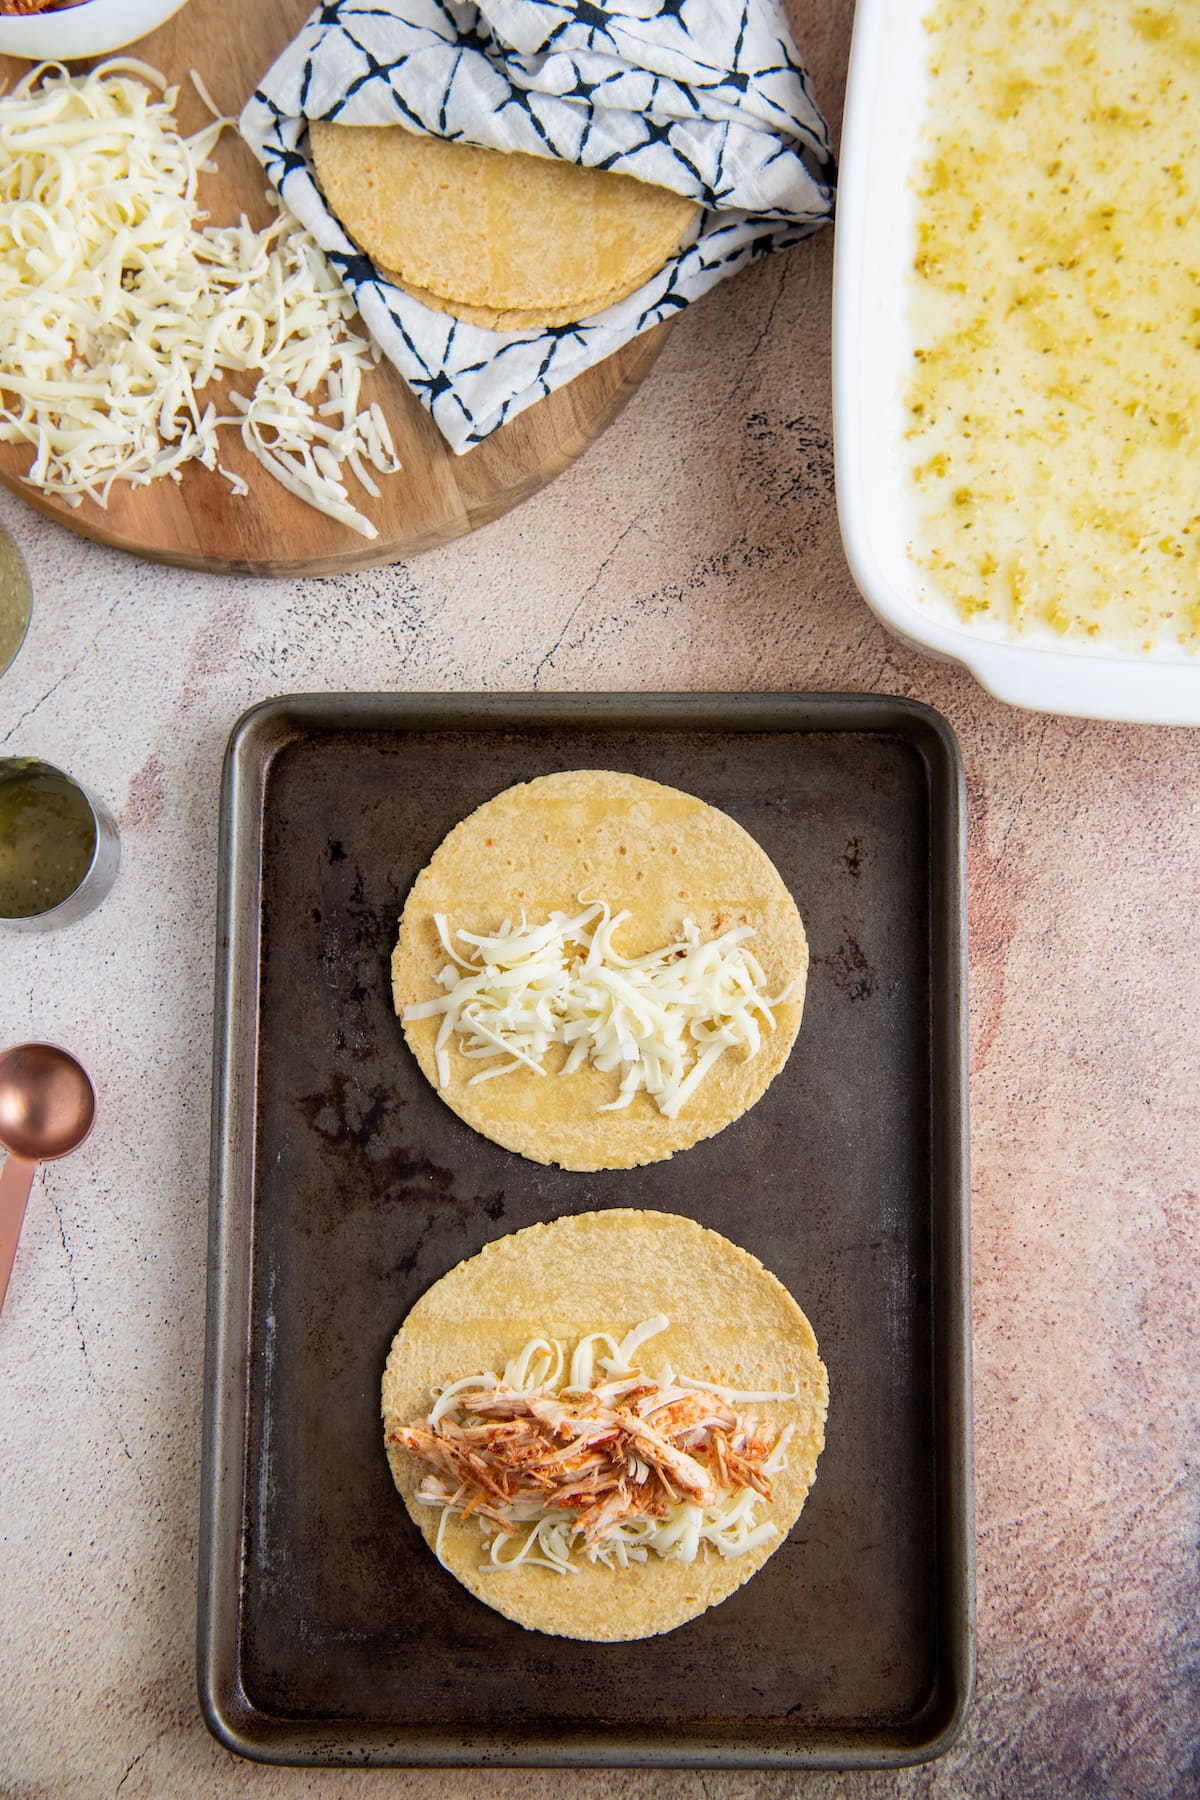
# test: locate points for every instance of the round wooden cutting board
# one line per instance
(199, 522)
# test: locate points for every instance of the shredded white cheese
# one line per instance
(118, 306)
(662, 1020)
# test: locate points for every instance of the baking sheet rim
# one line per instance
(256, 737)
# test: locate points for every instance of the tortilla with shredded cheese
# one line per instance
(674, 864)
(732, 1324)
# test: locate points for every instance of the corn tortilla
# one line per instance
(524, 240)
(663, 854)
(513, 318)
(732, 1323)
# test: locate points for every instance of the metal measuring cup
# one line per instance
(59, 847)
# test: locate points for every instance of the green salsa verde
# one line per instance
(15, 600)
(47, 838)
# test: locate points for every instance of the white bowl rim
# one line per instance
(93, 28)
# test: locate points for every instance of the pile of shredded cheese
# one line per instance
(662, 1019)
(728, 1525)
(118, 306)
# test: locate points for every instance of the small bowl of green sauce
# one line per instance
(16, 599)
(59, 848)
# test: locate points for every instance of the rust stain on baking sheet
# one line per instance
(346, 1115)
(850, 969)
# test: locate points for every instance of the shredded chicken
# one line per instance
(624, 1451)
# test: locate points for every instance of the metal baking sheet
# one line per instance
(342, 1187)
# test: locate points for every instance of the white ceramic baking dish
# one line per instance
(872, 348)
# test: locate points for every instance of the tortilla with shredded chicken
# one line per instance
(604, 1425)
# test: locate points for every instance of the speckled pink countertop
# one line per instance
(696, 546)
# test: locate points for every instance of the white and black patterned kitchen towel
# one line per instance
(707, 97)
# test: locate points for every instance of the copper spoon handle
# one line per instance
(16, 1179)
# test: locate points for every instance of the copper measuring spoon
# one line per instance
(47, 1108)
